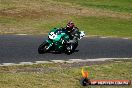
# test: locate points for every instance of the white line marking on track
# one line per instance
(7, 64)
(40, 62)
(95, 59)
(21, 34)
(76, 60)
(58, 61)
(103, 37)
(25, 63)
(125, 38)
(63, 61)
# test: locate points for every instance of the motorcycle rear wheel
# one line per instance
(69, 49)
(75, 46)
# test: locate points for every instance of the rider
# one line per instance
(71, 30)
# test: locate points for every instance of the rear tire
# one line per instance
(69, 49)
(43, 48)
(75, 46)
(69, 52)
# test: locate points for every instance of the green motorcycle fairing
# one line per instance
(57, 37)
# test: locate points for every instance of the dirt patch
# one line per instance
(48, 8)
(24, 13)
(90, 12)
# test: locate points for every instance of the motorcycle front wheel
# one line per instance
(43, 48)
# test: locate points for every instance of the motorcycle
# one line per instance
(59, 41)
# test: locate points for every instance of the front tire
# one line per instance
(43, 48)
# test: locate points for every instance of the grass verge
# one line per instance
(38, 17)
(114, 5)
(63, 75)
(105, 26)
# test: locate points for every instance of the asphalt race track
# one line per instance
(23, 48)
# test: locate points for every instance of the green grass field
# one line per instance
(114, 5)
(62, 75)
(105, 26)
(95, 17)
